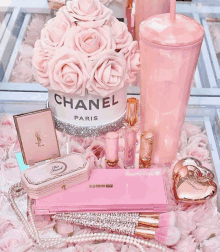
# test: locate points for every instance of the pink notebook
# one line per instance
(114, 190)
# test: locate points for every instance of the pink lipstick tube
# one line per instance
(111, 148)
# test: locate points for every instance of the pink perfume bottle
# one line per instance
(170, 46)
(147, 8)
(130, 133)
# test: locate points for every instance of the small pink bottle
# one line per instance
(111, 148)
(147, 8)
(130, 133)
(170, 45)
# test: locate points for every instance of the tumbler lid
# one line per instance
(182, 31)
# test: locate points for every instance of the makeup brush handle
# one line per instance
(147, 233)
(123, 228)
(115, 217)
(147, 219)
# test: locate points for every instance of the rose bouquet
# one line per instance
(85, 50)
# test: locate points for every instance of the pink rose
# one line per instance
(8, 136)
(68, 71)
(196, 152)
(183, 140)
(5, 225)
(3, 154)
(92, 159)
(40, 62)
(10, 172)
(63, 228)
(43, 222)
(7, 120)
(107, 247)
(87, 13)
(14, 240)
(70, 38)
(54, 33)
(132, 57)
(62, 138)
(211, 245)
(129, 248)
(97, 148)
(197, 147)
(185, 223)
(94, 162)
(207, 228)
(34, 29)
(186, 244)
(200, 140)
(108, 74)
(91, 41)
(74, 146)
(106, 2)
(10, 163)
(202, 212)
(191, 129)
(122, 36)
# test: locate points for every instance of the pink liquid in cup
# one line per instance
(170, 46)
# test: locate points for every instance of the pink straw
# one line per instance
(173, 10)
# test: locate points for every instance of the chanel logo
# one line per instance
(39, 140)
(101, 186)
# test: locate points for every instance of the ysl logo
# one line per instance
(39, 140)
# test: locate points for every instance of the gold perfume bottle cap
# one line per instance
(132, 111)
(129, 4)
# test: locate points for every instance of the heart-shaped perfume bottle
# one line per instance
(192, 183)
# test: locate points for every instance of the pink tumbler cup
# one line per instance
(170, 45)
(147, 8)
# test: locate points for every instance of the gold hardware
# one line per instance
(63, 187)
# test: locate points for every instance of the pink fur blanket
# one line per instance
(199, 225)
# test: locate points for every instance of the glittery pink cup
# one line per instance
(170, 45)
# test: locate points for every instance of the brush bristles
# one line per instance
(168, 235)
(167, 219)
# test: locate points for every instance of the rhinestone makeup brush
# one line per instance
(146, 219)
(166, 235)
